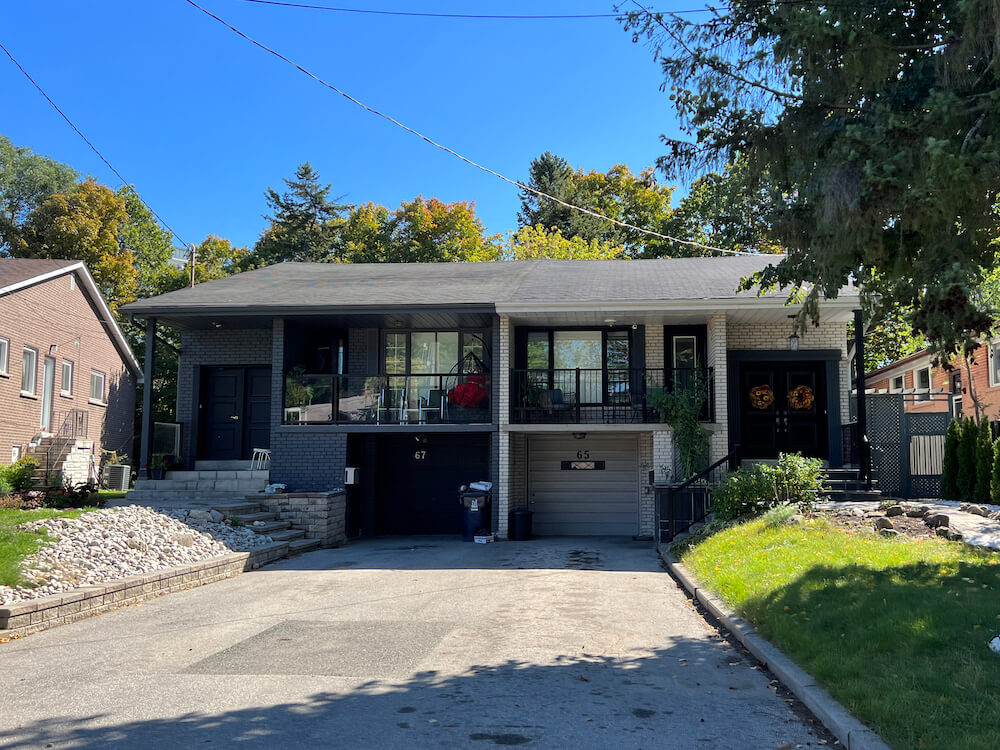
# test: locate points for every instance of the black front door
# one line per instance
(235, 412)
(783, 409)
(419, 477)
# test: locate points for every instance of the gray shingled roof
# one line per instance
(16, 270)
(288, 286)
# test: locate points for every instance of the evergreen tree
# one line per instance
(984, 462)
(968, 445)
(305, 225)
(949, 463)
(995, 475)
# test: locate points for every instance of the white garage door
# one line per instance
(584, 487)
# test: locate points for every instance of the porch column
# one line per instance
(864, 448)
(501, 374)
(716, 359)
(148, 367)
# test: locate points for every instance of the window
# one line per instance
(67, 378)
(4, 356)
(553, 359)
(897, 384)
(685, 352)
(994, 364)
(29, 370)
(922, 383)
(97, 386)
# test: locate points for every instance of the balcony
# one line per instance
(623, 396)
(311, 399)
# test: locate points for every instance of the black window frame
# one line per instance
(462, 332)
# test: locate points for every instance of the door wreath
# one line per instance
(801, 398)
(761, 396)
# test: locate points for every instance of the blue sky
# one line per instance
(202, 122)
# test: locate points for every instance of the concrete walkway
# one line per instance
(976, 530)
(403, 643)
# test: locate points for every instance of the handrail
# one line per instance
(732, 458)
(75, 424)
(692, 486)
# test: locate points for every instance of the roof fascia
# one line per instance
(727, 303)
(108, 319)
(41, 277)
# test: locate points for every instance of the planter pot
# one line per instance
(157, 473)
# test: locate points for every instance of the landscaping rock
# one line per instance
(979, 510)
(114, 543)
(888, 532)
(936, 520)
(883, 524)
(202, 516)
(894, 510)
(942, 531)
(954, 536)
(916, 512)
(216, 516)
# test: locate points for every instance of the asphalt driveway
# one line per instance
(402, 642)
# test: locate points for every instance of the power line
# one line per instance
(516, 183)
(87, 141)
(420, 14)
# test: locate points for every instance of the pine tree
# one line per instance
(949, 463)
(984, 462)
(967, 455)
(995, 475)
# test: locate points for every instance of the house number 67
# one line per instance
(420, 455)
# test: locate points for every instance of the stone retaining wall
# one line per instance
(322, 515)
(39, 614)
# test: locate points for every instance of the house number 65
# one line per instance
(420, 455)
(583, 454)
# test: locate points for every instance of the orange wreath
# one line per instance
(801, 398)
(761, 396)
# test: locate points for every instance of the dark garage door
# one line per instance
(419, 476)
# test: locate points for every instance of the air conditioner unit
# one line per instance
(117, 476)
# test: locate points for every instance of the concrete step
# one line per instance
(289, 535)
(146, 497)
(848, 495)
(231, 509)
(249, 518)
(268, 526)
(848, 484)
(302, 545)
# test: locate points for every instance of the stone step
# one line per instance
(268, 526)
(848, 484)
(302, 545)
(231, 509)
(249, 518)
(847, 495)
(288, 535)
(151, 496)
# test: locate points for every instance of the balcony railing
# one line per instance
(387, 399)
(603, 396)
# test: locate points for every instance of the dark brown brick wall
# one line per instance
(53, 313)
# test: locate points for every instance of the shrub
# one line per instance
(949, 463)
(984, 462)
(19, 475)
(749, 492)
(73, 496)
(995, 477)
(968, 443)
(681, 407)
(5, 488)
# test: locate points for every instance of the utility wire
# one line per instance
(516, 183)
(419, 14)
(92, 146)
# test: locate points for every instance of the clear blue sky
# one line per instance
(202, 122)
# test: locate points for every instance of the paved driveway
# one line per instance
(402, 643)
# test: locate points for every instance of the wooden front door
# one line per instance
(235, 412)
(783, 409)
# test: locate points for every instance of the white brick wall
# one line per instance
(502, 495)
(654, 347)
(663, 455)
(647, 510)
(718, 342)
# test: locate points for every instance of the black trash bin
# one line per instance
(475, 513)
(520, 525)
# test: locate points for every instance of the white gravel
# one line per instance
(114, 543)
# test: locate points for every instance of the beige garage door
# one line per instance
(584, 487)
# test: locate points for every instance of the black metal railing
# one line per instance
(431, 398)
(681, 506)
(603, 396)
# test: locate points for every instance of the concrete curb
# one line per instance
(850, 731)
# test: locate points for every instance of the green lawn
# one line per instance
(105, 495)
(16, 545)
(895, 629)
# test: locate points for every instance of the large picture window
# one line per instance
(584, 366)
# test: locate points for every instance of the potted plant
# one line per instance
(159, 465)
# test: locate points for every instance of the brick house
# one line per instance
(536, 375)
(67, 374)
(927, 386)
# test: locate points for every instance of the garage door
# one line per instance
(418, 480)
(587, 487)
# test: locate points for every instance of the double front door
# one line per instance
(783, 409)
(235, 412)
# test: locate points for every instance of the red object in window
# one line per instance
(469, 394)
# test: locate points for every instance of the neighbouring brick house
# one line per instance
(926, 386)
(537, 375)
(67, 375)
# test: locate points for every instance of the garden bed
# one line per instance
(896, 629)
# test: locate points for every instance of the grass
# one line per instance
(15, 545)
(105, 495)
(896, 629)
